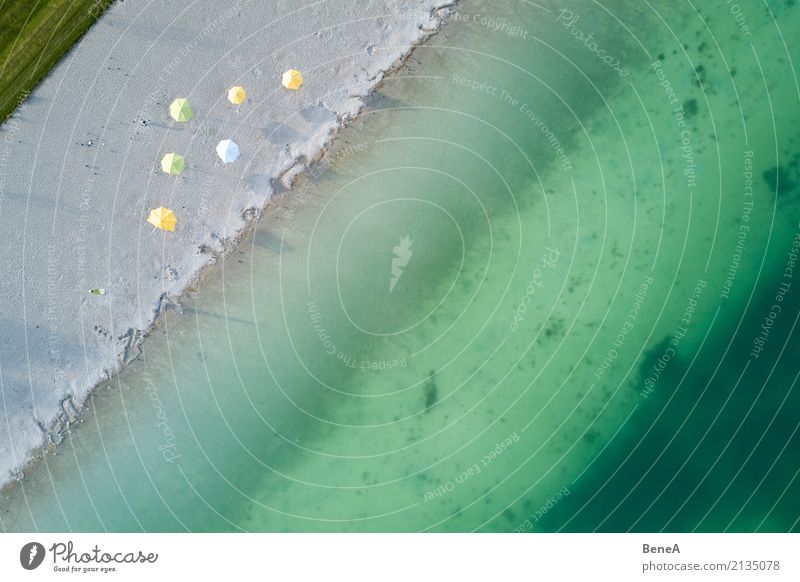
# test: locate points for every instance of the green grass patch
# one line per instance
(34, 35)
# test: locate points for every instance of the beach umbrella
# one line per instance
(237, 95)
(227, 151)
(180, 110)
(292, 79)
(172, 164)
(162, 218)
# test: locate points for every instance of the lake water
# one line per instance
(545, 282)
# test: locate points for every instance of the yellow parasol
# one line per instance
(162, 218)
(237, 95)
(292, 79)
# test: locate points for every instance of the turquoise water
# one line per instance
(520, 294)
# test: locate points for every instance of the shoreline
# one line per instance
(42, 420)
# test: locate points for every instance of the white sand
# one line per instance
(79, 172)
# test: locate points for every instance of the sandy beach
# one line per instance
(80, 171)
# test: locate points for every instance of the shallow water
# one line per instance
(509, 299)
